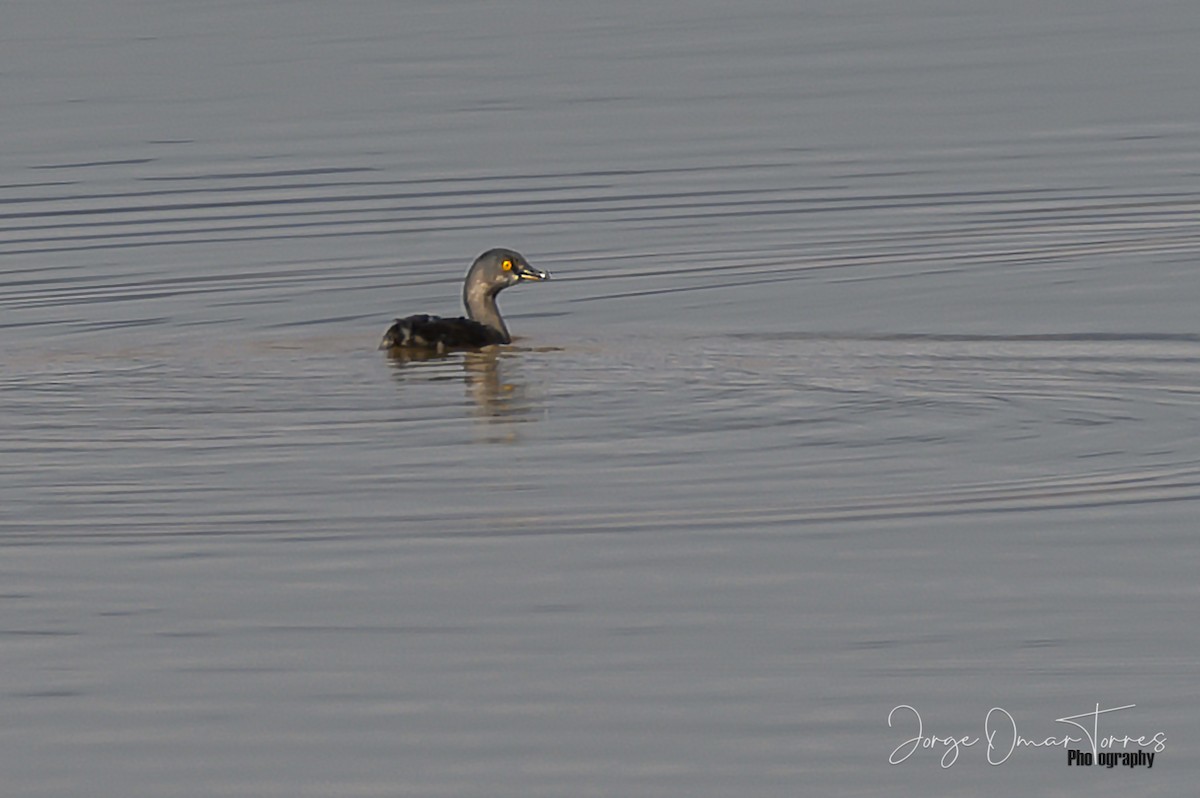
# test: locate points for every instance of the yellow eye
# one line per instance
(507, 265)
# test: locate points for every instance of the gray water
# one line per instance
(868, 377)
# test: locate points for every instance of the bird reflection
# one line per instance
(492, 378)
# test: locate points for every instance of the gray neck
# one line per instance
(481, 307)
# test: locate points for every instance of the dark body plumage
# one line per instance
(434, 332)
(492, 272)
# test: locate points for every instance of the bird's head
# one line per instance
(499, 268)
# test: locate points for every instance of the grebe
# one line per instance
(491, 273)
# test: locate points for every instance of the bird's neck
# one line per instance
(481, 307)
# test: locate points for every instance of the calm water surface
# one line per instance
(869, 376)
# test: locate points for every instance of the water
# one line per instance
(867, 378)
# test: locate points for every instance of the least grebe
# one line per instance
(491, 273)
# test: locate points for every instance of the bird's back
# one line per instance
(438, 334)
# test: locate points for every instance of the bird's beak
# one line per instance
(530, 273)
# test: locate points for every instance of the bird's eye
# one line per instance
(507, 265)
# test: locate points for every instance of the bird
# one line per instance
(491, 273)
